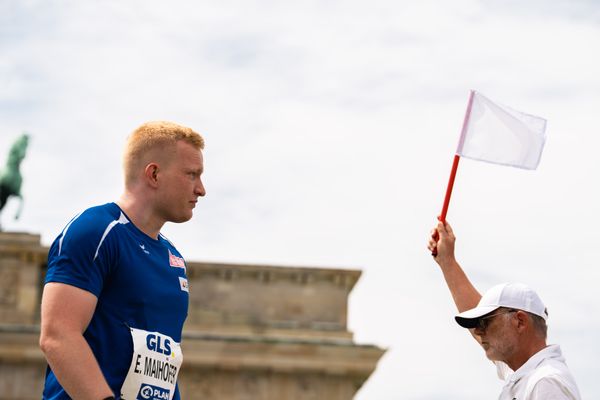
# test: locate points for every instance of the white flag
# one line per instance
(498, 134)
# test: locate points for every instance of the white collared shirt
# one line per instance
(545, 376)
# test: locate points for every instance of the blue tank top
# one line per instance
(140, 282)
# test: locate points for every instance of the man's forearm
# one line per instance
(75, 367)
(441, 244)
(463, 292)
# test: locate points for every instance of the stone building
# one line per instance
(253, 332)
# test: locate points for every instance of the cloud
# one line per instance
(330, 130)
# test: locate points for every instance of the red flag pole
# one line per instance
(463, 132)
(442, 216)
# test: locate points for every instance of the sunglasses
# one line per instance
(484, 322)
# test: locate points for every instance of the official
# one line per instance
(509, 322)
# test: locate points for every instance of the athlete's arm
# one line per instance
(463, 292)
(65, 314)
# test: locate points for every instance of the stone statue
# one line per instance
(10, 175)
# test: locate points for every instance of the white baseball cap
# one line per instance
(510, 295)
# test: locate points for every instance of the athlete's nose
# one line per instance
(200, 190)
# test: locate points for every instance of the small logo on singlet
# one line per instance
(183, 284)
(151, 392)
(175, 261)
(143, 247)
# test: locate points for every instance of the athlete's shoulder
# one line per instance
(90, 226)
(102, 213)
(83, 253)
(93, 221)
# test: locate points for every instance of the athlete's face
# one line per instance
(182, 183)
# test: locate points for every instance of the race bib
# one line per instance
(154, 367)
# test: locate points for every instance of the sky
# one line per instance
(330, 128)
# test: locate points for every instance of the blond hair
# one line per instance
(154, 135)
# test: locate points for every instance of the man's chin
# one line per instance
(182, 218)
(488, 352)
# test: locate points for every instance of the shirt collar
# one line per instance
(548, 352)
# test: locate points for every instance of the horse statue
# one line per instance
(10, 176)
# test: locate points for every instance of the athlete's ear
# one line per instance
(151, 174)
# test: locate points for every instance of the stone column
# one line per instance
(22, 365)
(21, 260)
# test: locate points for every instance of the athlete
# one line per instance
(116, 292)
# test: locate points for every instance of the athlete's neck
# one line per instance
(141, 215)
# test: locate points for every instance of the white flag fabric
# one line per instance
(498, 134)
